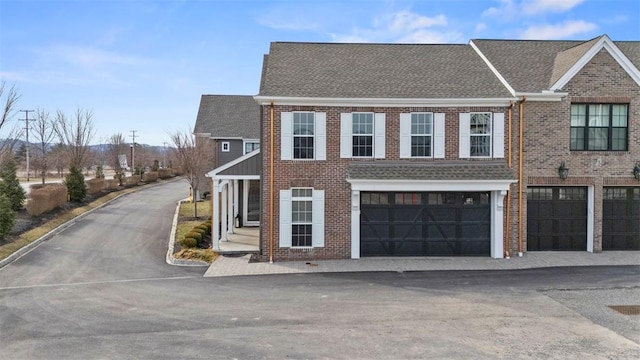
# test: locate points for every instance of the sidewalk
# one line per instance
(237, 266)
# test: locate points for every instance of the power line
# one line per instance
(26, 120)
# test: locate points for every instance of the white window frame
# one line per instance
(246, 142)
(286, 223)
(320, 136)
(496, 136)
(225, 146)
(437, 135)
(346, 136)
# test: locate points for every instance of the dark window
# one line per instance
(362, 131)
(301, 217)
(421, 130)
(599, 127)
(303, 135)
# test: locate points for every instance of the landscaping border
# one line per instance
(172, 260)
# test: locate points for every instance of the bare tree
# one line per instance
(117, 147)
(75, 134)
(194, 160)
(9, 98)
(43, 133)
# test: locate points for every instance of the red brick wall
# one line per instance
(330, 175)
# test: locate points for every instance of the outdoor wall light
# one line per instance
(563, 171)
(636, 170)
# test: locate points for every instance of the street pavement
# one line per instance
(101, 289)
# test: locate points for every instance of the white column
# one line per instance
(497, 223)
(355, 224)
(223, 220)
(236, 204)
(230, 197)
(216, 214)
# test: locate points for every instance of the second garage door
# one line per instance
(425, 224)
(556, 218)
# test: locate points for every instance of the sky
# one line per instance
(143, 64)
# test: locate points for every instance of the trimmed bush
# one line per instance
(189, 242)
(165, 173)
(132, 180)
(47, 198)
(195, 235)
(203, 228)
(7, 216)
(95, 185)
(111, 184)
(150, 177)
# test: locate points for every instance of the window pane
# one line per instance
(619, 115)
(302, 147)
(577, 138)
(599, 115)
(480, 145)
(362, 146)
(362, 124)
(421, 124)
(619, 139)
(301, 235)
(421, 146)
(578, 115)
(598, 138)
(481, 123)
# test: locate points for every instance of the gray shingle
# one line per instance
(411, 71)
(450, 170)
(532, 65)
(228, 116)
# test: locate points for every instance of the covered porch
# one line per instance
(235, 205)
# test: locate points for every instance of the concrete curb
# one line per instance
(171, 260)
(34, 244)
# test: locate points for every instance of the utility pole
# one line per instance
(26, 120)
(133, 151)
(164, 156)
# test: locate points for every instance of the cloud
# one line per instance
(408, 21)
(481, 27)
(89, 58)
(546, 6)
(510, 9)
(564, 30)
(402, 27)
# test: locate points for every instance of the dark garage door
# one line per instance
(621, 218)
(557, 218)
(425, 224)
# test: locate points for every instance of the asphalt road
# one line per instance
(102, 290)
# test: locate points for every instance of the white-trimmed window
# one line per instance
(481, 135)
(422, 135)
(362, 135)
(226, 147)
(250, 146)
(303, 135)
(301, 218)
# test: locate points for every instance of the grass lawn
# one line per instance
(187, 210)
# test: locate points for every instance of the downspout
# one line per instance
(271, 184)
(508, 215)
(520, 177)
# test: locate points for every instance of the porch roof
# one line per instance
(433, 171)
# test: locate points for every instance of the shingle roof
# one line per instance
(453, 170)
(411, 71)
(534, 65)
(228, 116)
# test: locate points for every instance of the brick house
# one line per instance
(229, 125)
(414, 150)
